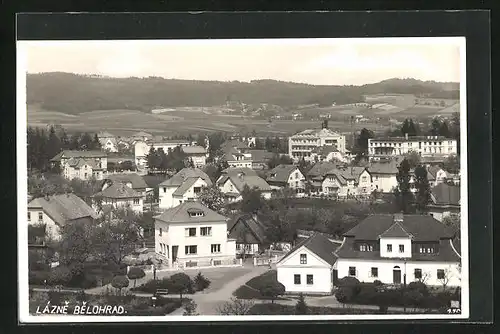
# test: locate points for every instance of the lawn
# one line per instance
(251, 289)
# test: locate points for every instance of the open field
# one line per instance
(398, 100)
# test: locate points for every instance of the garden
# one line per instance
(265, 287)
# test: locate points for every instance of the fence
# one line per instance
(265, 261)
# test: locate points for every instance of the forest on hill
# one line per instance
(73, 94)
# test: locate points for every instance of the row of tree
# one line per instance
(43, 145)
(173, 160)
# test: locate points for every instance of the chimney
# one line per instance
(406, 136)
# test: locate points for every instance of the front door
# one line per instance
(396, 276)
(175, 249)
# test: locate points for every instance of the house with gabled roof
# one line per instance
(344, 182)
(437, 175)
(132, 180)
(233, 180)
(398, 249)
(445, 201)
(383, 175)
(286, 176)
(182, 187)
(309, 267)
(108, 141)
(119, 195)
(192, 235)
(58, 210)
(81, 164)
(250, 234)
(237, 154)
(198, 154)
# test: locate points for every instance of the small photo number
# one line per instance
(454, 311)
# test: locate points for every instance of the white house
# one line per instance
(108, 141)
(120, 195)
(437, 175)
(237, 154)
(198, 154)
(383, 175)
(286, 176)
(81, 164)
(182, 187)
(309, 267)
(56, 211)
(395, 249)
(141, 150)
(233, 180)
(346, 182)
(192, 235)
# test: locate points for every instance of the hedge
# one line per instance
(278, 309)
(246, 292)
(152, 285)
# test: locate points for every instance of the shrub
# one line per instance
(38, 277)
(378, 283)
(190, 308)
(201, 282)
(60, 276)
(348, 281)
(267, 278)
(344, 294)
(135, 273)
(301, 306)
(120, 282)
(272, 291)
(246, 292)
(420, 287)
(180, 283)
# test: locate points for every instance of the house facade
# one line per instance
(192, 235)
(249, 233)
(108, 142)
(304, 144)
(383, 175)
(308, 268)
(182, 187)
(286, 176)
(237, 154)
(198, 154)
(81, 164)
(346, 182)
(425, 146)
(399, 249)
(56, 211)
(119, 195)
(233, 180)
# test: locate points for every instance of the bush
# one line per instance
(344, 294)
(55, 297)
(120, 282)
(246, 292)
(268, 278)
(378, 283)
(301, 306)
(348, 281)
(201, 282)
(272, 291)
(59, 276)
(135, 273)
(180, 283)
(420, 287)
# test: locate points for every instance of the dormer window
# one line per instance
(365, 248)
(195, 213)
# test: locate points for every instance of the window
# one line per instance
(190, 250)
(297, 175)
(196, 214)
(440, 274)
(389, 248)
(164, 189)
(365, 248)
(29, 216)
(238, 246)
(310, 279)
(418, 273)
(206, 231)
(352, 271)
(160, 232)
(296, 279)
(197, 190)
(374, 272)
(136, 201)
(190, 232)
(401, 248)
(364, 178)
(303, 258)
(40, 216)
(215, 248)
(426, 250)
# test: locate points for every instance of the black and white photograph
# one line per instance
(242, 179)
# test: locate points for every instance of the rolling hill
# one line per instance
(74, 94)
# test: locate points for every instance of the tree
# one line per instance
(252, 200)
(95, 144)
(212, 198)
(301, 306)
(344, 294)
(452, 221)
(403, 192)
(135, 273)
(361, 144)
(435, 127)
(153, 159)
(278, 159)
(86, 142)
(190, 308)
(445, 277)
(117, 235)
(180, 283)
(201, 282)
(444, 130)
(120, 282)
(452, 164)
(235, 307)
(75, 245)
(53, 144)
(413, 158)
(423, 196)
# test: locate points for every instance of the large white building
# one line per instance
(81, 164)
(425, 146)
(142, 148)
(182, 187)
(395, 249)
(192, 235)
(304, 144)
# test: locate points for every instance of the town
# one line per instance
(318, 222)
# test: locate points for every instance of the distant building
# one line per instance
(132, 180)
(425, 146)
(198, 154)
(192, 235)
(120, 195)
(141, 135)
(303, 144)
(182, 187)
(108, 142)
(445, 201)
(56, 211)
(233, 181)
(81, 164)
(142, 148)
(249, 233)
(237, 154)
(383, 175)
(260, 158)
(286, 176)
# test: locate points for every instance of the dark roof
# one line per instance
(185, 186)
(321, 168)
(180, 214)
(319, 245)
(280, 173)
(63, 208)
(261, 155)
(346, 174)
(67, 154)
(389, 167)
(421, 227)
(80, 162)
(119, 190)
(253, 225)
(136, 180)
(241, 179)
(194, 150)
(178, 179)
(445, 194)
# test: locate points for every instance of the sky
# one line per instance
(312, 61)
